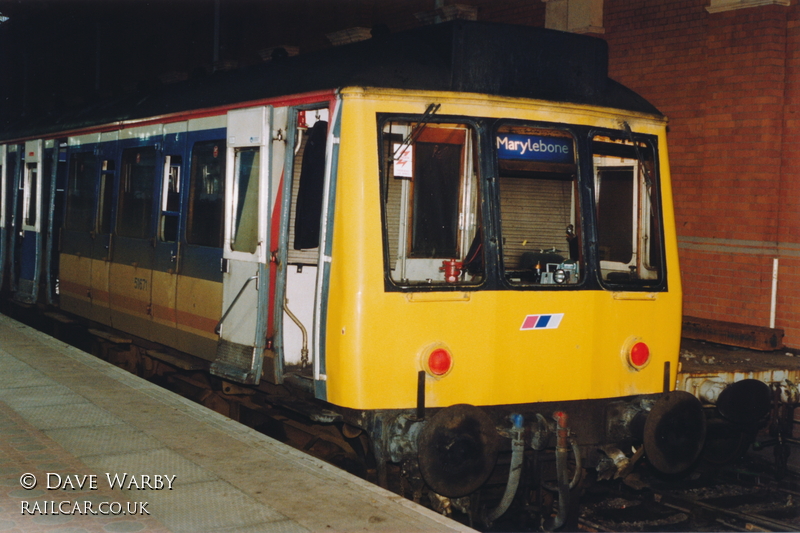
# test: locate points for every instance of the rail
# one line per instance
(218, 328)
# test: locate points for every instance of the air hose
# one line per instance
(517, 453)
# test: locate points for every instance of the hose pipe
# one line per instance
(576, 451)
(562, 472)
(304, 350)
(517, 454)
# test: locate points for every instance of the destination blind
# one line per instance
(535, 148)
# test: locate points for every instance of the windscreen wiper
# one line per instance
(647, 178)
(417, 131)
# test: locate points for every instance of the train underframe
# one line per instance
(468, 461)
(481, 464)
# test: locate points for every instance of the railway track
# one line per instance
(740, 497)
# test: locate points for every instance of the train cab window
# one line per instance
(539, 211)
(204, 222)
(628, 220)
(244, 236)
(136, 192)
(170, 199)
(81, 192)
(106, 197)
(431, 204)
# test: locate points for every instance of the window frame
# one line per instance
(578, 202)
(488, 188)
(654, 205)
(194, 178)
(31, 181)
(126, 178)
(89, 224)
(30, 186)
(473, 141)
(172, 162)
(246, 203)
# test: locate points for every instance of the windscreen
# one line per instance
(431, 203)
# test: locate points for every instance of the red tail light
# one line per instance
(440, 362)
(639, 355)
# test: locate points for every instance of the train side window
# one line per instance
(628, 220)
(539, 209)
(136, 192)
(431, 203)
(170, 199)
(81, 192)
(206, 209)
(106, 197)
(245, 215)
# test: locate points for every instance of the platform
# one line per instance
(69, 419)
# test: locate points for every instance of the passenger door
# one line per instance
(305, 247)
(199, 284)
(54, 181)
(300, 254)
(77, 231)
(133, 252)
(102, 236)
(167, 265)
(242, 327)
(28, 224)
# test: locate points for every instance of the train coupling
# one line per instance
(456, 448)
(746, 401)
(671, 429)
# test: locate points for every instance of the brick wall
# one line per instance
(726, 82)
(789, 194)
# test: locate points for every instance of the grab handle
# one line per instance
(218, 329)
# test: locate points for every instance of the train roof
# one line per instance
(460, 56)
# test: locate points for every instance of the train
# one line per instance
(449, 244)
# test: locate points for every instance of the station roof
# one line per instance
(463, 56)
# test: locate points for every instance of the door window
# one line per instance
(245, 205)
(170, 199)
(205, 216)
(81, 192)
(136, 192)
(30, 195)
